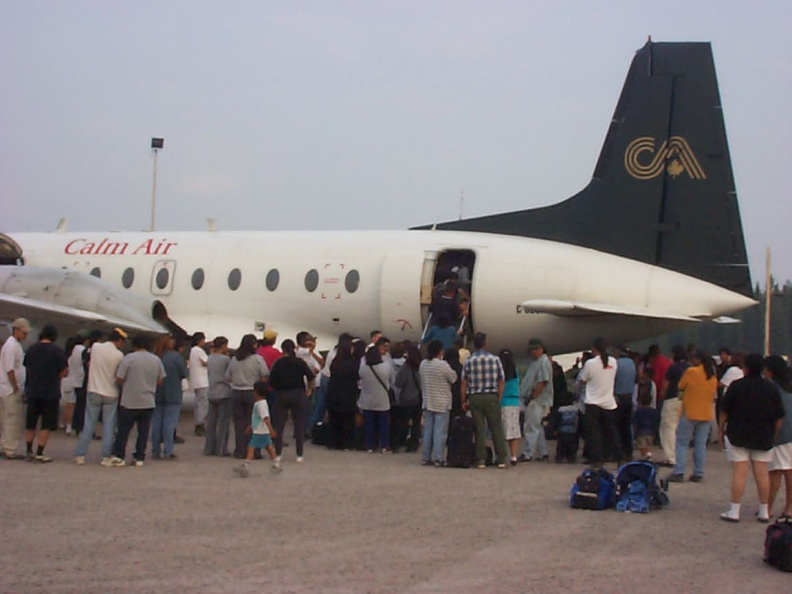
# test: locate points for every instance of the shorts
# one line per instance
(644, 441)
(68, 396)
(46, 409)
(510, 417)
(260, 440)
(738, 454)
(782, 457)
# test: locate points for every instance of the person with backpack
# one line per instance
(406, 410)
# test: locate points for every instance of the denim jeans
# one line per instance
(320, 403)
(435, 435)
(94, 405)
(377, 424)
(535, 441)
(699, 430)
(164, 421)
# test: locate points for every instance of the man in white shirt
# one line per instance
(199, 381)
(102, 395)
(12, 380)
(317, 404)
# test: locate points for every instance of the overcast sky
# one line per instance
(358, 115)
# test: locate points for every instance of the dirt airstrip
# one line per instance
(358, 522)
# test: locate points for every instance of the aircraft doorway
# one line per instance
(439, 268)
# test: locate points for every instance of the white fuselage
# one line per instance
(392, 267)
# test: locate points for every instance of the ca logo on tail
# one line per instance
(674, 155)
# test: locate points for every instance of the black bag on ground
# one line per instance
(320, 434)
(778, 544)
(593, 489)
(461, 437)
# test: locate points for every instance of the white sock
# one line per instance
(734, 510)
(763, 511)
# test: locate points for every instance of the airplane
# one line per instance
(652, 244)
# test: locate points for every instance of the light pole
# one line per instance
(156, 145)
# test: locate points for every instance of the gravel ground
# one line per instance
(358, 522)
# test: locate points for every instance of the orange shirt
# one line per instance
(698, 394)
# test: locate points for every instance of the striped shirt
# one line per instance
(482, 371)
(437, 377)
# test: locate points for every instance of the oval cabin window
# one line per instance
(197, 279)
(273, 279)
(163, 276)
(311, 280)
(352, 281)
(128, 278)
(234, 279)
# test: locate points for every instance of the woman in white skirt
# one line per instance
(510, 404)
(777, 371)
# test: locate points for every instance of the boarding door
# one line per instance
(400, 295)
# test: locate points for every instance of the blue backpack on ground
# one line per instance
(637, 488)
(593, 489)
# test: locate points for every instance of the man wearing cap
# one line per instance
(46, 365)
(102, 395)
(536, 390)
(267, 350)
(12, 380)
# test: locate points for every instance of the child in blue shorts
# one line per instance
(260, 431)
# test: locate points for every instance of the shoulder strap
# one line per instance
(384, 387)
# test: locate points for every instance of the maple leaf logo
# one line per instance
(674, 168)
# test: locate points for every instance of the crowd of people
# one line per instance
(382, 397)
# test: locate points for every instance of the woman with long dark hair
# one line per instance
(342, 395)
(698, 388)
(244, 370)
(777, 371)
(289, 379)
(510, 404)
(598, 375)
(374, 401)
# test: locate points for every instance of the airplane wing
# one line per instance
(582, 309)
(39, 313)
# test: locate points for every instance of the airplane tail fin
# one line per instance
(663, 188)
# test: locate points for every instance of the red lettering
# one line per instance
(145, 247)
(72, 247)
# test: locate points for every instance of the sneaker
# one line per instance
(502, 465)
(79, 460)
(523, 458)
(425, 463)
(438, 464)
(116, 462)
(276, 465)
(242, 470)
(481, 465)
(12, 456)
(544, 458)
(695, 478)
(107, 462)
(170, 457)
(726, 517)
(43, 459)
(138, 464)
(676, 478)
(386, 451)
(299, 459)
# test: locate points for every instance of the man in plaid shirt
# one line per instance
(482, 386)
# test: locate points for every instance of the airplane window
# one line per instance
(97, 272)
(311, 280)
(234, 279)
(273, 279)
(163, 276)
(197, 278)
(128, 277)
(352, 281)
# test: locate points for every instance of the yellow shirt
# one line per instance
(698, 394)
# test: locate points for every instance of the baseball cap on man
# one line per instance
(535, 343)
(21, 324)
(270, 334)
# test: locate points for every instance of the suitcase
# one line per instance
(461, 439)
(593, 489)
(778, 544)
